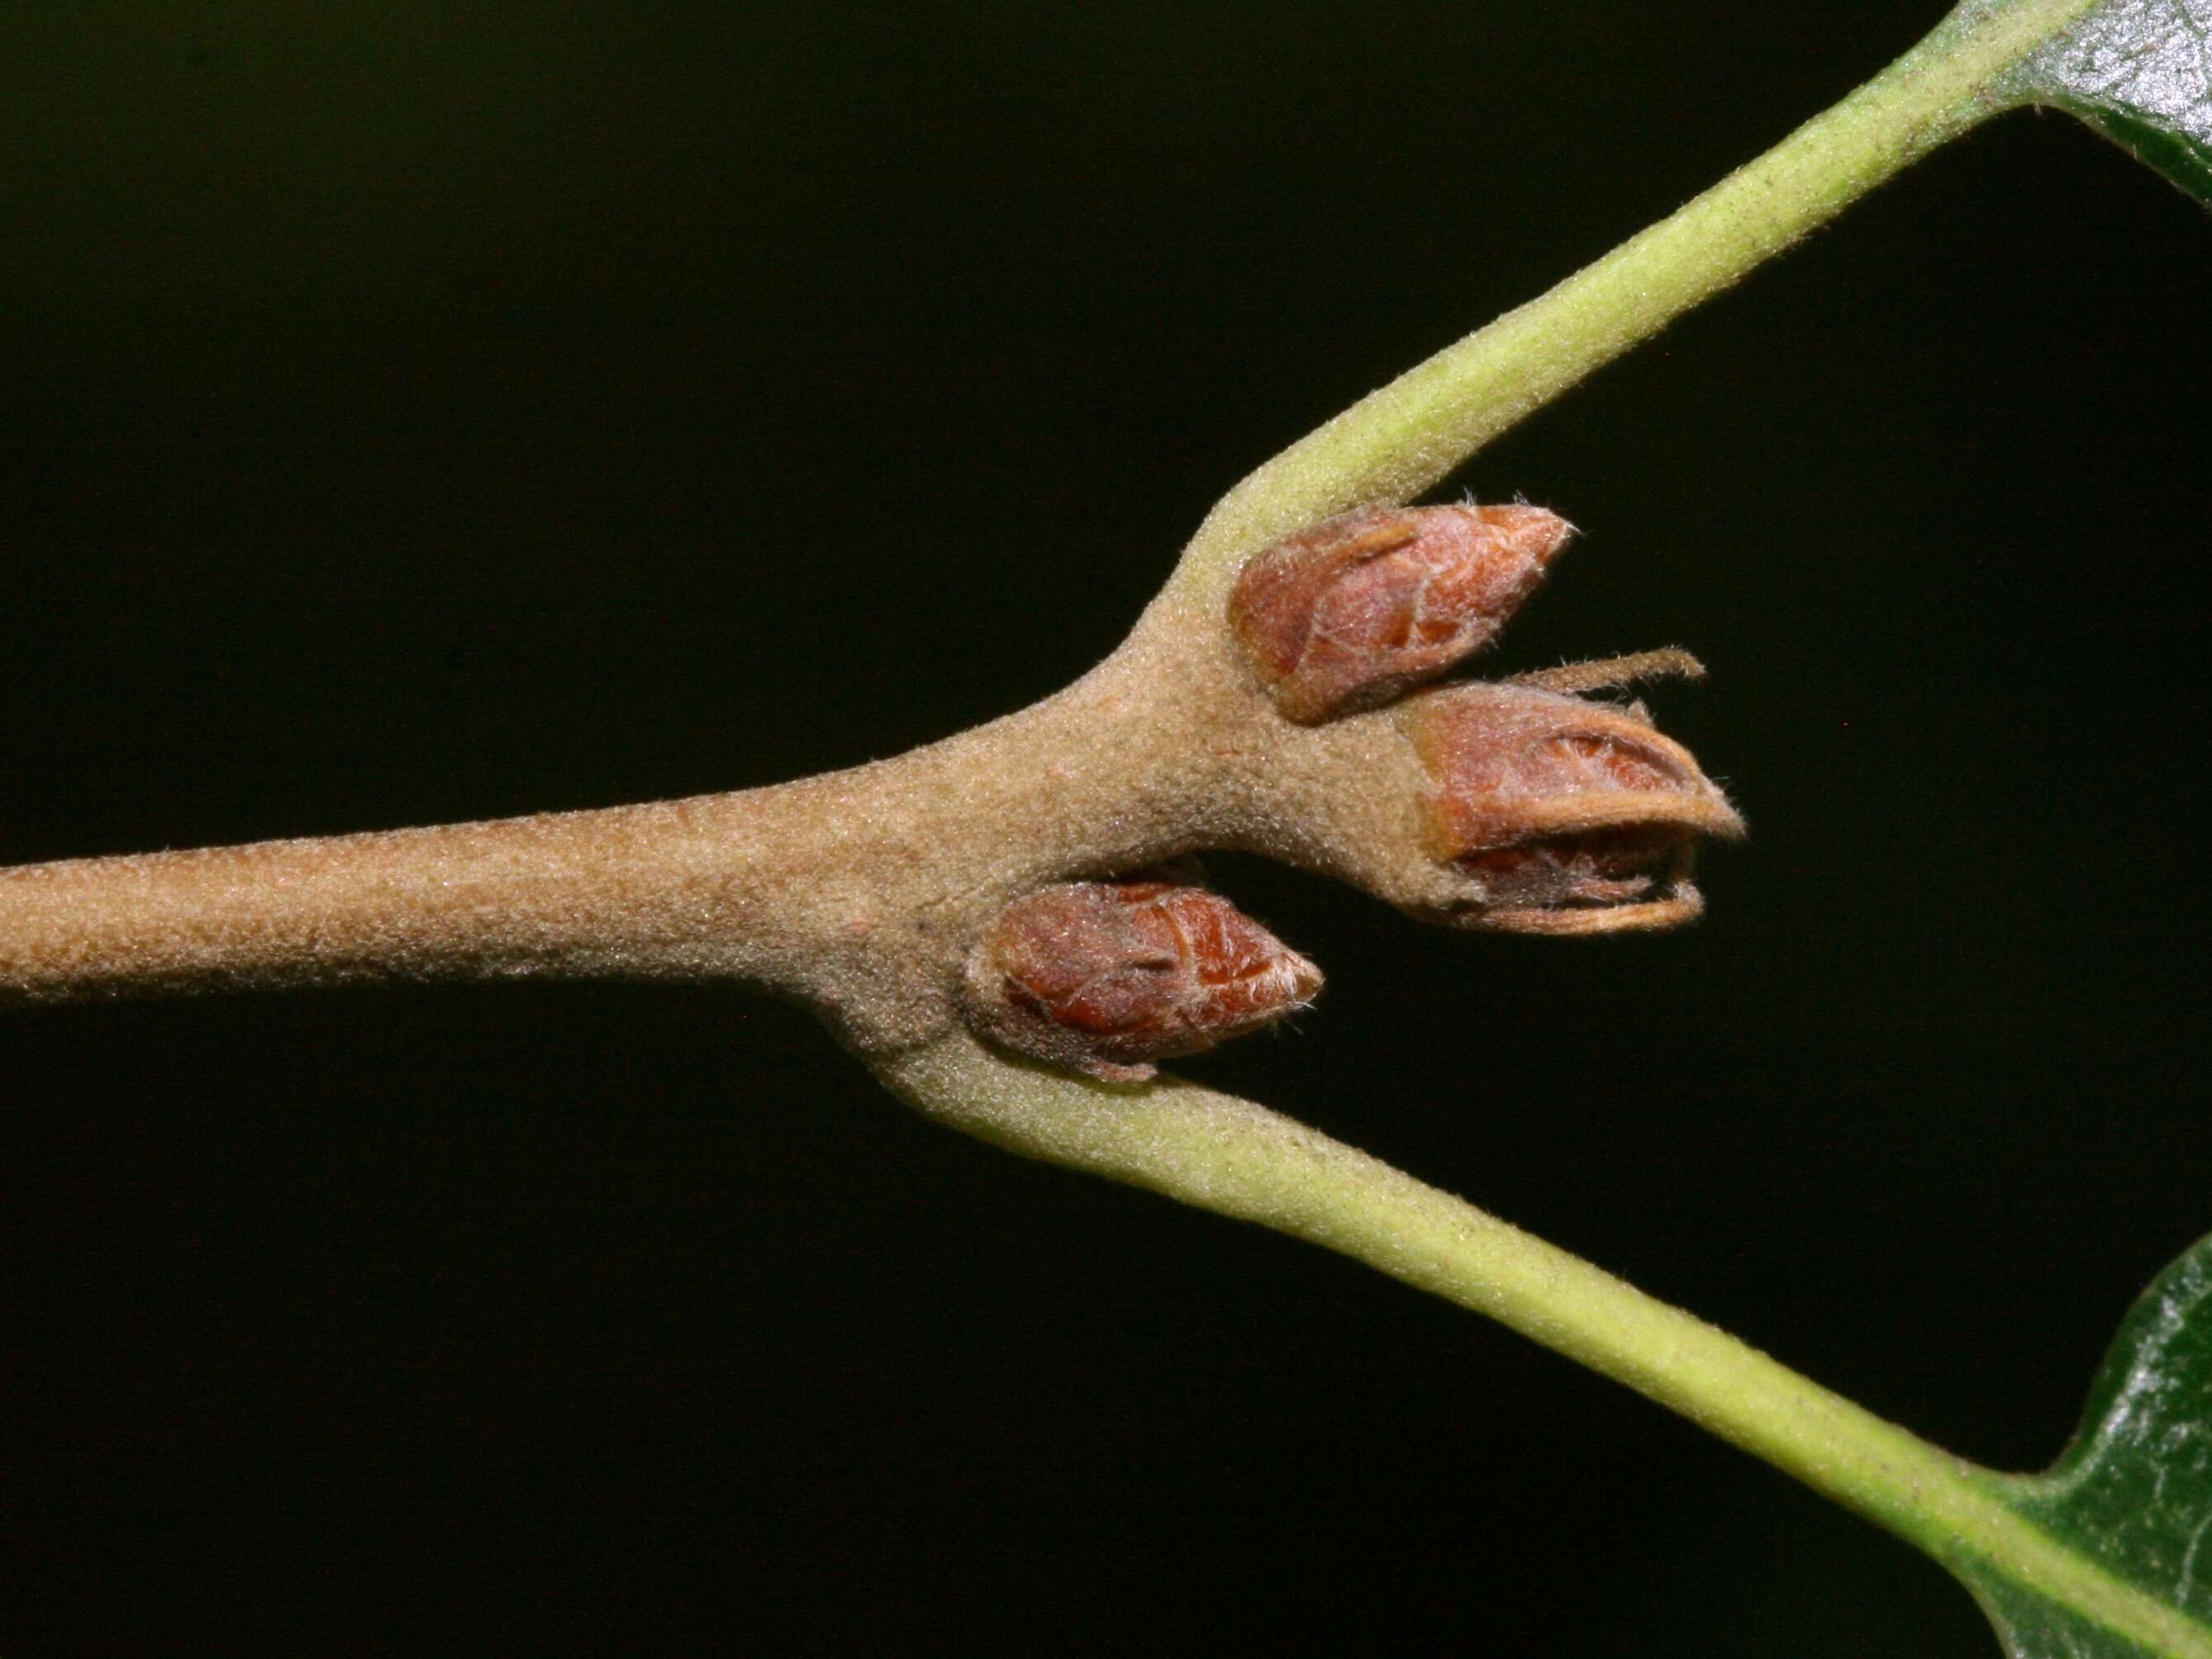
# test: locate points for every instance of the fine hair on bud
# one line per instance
(1358, 609)
(1107, 977)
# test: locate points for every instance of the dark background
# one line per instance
(419, 412)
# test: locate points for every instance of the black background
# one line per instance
(420, 412)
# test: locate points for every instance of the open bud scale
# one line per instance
(1575, 816)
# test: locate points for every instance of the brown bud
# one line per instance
(1106, 977)
(1359, 609)
(1575, 816)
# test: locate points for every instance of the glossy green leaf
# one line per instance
(2133, 1492)
(2139, 71)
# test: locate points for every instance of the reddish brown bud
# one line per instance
(1361, 609)
(1575, 816)
(1106, 977)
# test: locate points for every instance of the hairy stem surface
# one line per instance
(844, 890)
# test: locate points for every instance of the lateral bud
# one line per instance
(1107, 977)
(1360, 609)
(1573, 817)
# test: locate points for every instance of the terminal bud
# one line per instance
(1107, 977)
(1362, 608)
(1574, 816)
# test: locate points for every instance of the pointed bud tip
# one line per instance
(1358, 609)
(1536, 532)
(1106, 977)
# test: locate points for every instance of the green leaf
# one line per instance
(2139, 71)
(2133, 1492)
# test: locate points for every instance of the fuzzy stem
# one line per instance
(1242, 1160)
(608, 891)
(854, 893)
(1400, 439)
